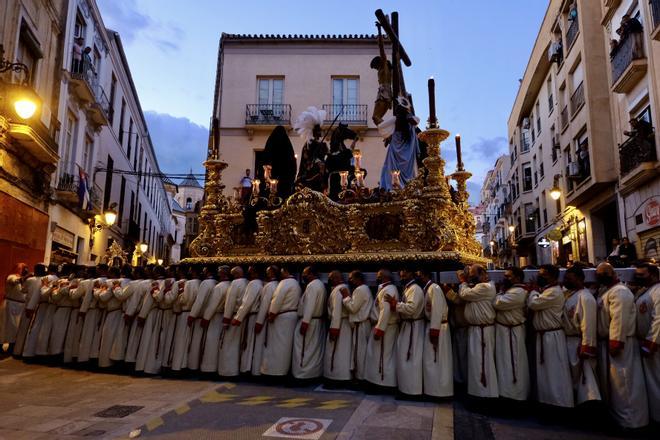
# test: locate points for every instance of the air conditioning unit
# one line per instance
(574, 170)
(526, 124)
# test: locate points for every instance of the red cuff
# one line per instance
(378, 332)
(588, 350)
(616, 345)
(235, 322)
(304, 325)
(258, 327)
(334, 332)
(204, 323)
(434, 332)
(226, 320)
(649, 346)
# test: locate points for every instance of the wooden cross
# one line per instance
(398, 52)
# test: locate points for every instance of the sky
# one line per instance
(476, 51)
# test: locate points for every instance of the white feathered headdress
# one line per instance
(306, 121)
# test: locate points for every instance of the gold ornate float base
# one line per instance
(422, 223)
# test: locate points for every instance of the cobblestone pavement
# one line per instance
(51, 402)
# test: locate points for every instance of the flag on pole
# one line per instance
(84, 199)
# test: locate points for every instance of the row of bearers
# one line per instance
(586, 346)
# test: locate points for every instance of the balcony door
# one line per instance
(270, 97)
(345, 92)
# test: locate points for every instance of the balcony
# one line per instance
(66, 192)
(267, 114)
(639, 162)
(564, 118)
(655, 18)
(572, 33)
(629, 65)
(350, 114)
(88, 89)
(577, 99)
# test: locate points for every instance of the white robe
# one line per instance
(283, 311)
(199, 338)
(12, 308)
(229, 349)
(152, 316)
(213, 314)
(90, 317)
(648, 331)
(625, 379)
(480, 314)
(32, 295)
(72, 341)
(133, 308)
(61, 318)
(308, 349)
(459, 336)
(37, 339)
(159, 347)
(125, 296)
(359, 306)
(580, 326)
(510, 349)
(337, 358)
(114, 318)
(410, 341)
(260, 338)
(381, 353)
(553, 374)
(183, 332)
(247, 316)
(102, 313)
(438, 363)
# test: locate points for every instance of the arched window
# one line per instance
(189, 203)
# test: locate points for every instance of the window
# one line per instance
(536, 174)
(88, 152)
(122, 194)
(122, 114)
(108, 183)
(538, 118)
(551, 100)
(530, 218)
(29, 52)
(527, 177)
(189, 204)
(270, 91)
(67, 155)
(130, 137)
(113, 92)
(79, 29)
(96, 60)
(541, 168)
(345, 91)
(524, 139)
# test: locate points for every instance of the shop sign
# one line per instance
(651, 210)
(543, 242)
(63, 237)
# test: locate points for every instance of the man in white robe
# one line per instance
(337, 358)
(648, 331)
(625, 380)
(309, 337)
(510, 350)
(480, 315)
(437, 360)
(261, 322)
(109, 296)
(164, 328)
(410, 341)
(37, 337)
(580, 326)
(123, 292)
(149, 319)
(459, 333)
(359, 305)
(32, 297)
(133, 307)
(282, 320)
(72, 340)
(553, 375)
(229, 349)
(14, 304)
(99, 283)
(64, 306)
(212, 316)
(181, 308)
(88, 314)
(246, 317)
(381, 349)
(198, 338)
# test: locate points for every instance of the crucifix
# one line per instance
(398, 54)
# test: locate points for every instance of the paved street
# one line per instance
(44, 402)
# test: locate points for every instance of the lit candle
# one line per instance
(433, 120)
(273, 186)
(396, 181)
(344, 179)
(357, 159)
(255, 186)
(267, 170)
(459, 156)
(359, 177)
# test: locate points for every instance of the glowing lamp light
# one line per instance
(143, 247)
(110, 217)
(160, 261)
(512, 228)
(555, 193)
(25, 108)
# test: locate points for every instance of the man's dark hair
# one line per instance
(552, 270)
(425, 271)
(159, 271)
(376, 62)
(127, 270)
(651, 268)
(52, 268)
(576, 270)
(40, 270)
(138, 272)
(358, 275)
(312, 269)
(114, 272)
(517, 272)
(102, 267)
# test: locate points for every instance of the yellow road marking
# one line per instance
(294, 403)
(256, 400)
(215, 396)
(154, 423)
(333, 404)
(228, 385)
(182, 409)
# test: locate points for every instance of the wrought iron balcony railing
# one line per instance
(623, 57)
(564, 117)
(267, 114)
(68, 182)
(572, 33)
(85, 72)
(355, 114)
(577, 99)
(634, 152)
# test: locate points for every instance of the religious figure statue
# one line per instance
(339, 158)
(311, 172)
(384, 68)
(280, 162)
(402, 144)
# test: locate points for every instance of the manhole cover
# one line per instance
(118, 411)
(289, 427)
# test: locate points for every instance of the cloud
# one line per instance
(487, 149)
(180, 144)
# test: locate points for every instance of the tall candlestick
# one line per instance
(359, 177)
(357, 159)
(396, 181)
(255, 186)
(273, 186)
(459, 157)
(344, 179)
(433, 120)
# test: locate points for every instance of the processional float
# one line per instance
(421, 222)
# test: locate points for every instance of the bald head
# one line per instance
(605, 268)
(336, 278)
(478, 274)
(605, 275)
(384, 276)
(237, 272)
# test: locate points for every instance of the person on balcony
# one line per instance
(632, 28)
(572, 11)
(627, 252)
(87, 64)
(77, 55)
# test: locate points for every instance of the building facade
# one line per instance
(31, 33)
(107, 160)
(260, 84)
(497, 236)
(189, 198)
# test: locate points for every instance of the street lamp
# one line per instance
(110, 215)
(555, 191)
(143, 247)
(512, 228)
(25, 106)
(160, 261)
